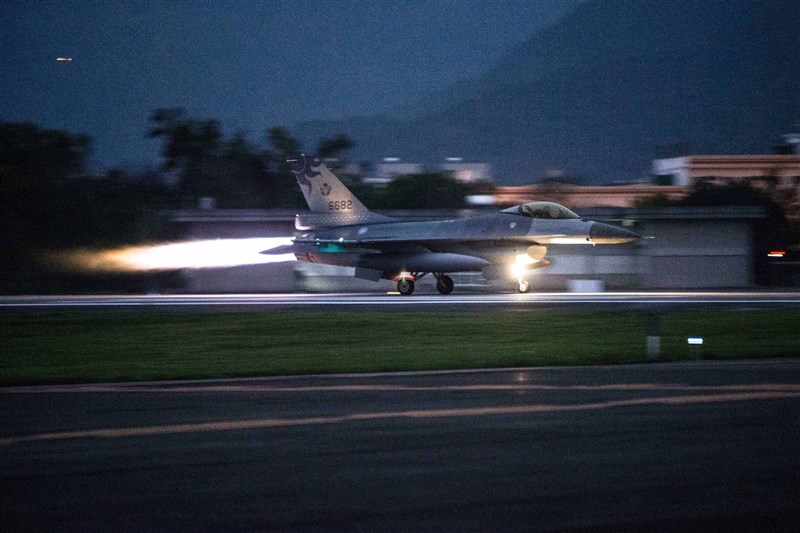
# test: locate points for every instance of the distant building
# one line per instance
(467, 172)
(392, 167)
(759, 170)
(778, 175)
(580, 196)
(790, 144)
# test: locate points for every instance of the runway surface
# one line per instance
(660, 447)
(272, 302)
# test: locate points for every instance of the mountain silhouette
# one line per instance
(602, 92)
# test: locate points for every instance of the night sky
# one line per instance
(250, 64)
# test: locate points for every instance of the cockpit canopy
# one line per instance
(550, 210)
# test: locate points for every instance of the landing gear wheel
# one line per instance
(444, 284)
(524, 286)
(405, 287)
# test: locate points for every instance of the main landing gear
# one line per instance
(405, 286)
(444, 283)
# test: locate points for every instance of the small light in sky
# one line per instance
(63, 59)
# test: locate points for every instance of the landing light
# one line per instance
(520, 268)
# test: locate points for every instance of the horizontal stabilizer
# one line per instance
(279, 250)
(307, 221)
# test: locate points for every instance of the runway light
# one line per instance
(216, 253)
(63, 59)
(776, 253)
(695, 340)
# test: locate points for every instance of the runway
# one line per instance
(659, 447)
(270, 302)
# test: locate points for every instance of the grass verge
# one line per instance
(100, 346)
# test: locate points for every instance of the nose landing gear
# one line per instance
(524, 286)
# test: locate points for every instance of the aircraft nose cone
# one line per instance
(601, 233)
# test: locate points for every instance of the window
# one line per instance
(548, 210)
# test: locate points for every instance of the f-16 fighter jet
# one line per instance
(340, 230)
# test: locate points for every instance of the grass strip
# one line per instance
(111, 346)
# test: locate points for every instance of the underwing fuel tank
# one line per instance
(424, 262)
(600, 233)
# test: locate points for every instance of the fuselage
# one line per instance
(340, 230)
(457, 245)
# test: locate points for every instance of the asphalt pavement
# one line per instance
(656, 447)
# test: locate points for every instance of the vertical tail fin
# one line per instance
(323, 191)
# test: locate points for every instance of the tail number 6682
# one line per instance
(343, 205)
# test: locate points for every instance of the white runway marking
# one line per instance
(352, 300)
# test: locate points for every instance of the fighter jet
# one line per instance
(341, 231)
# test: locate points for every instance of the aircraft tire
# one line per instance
(405, 287)
(524, 286)
(444, 285)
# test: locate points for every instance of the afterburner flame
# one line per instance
(215, 253)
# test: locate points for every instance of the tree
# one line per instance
(194, 147)
(424, 191)
(281, 187)
(333, 147)
(282, 143)
(40, 154)
(35, 166)
(48, 202)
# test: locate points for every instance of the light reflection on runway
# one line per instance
(661, 393)
(264, 302)
(599, 447)
(508, 410)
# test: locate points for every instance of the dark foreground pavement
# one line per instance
(651, 447)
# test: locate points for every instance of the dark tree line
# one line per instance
(233, 171)
(237, 173)
(49, 200)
